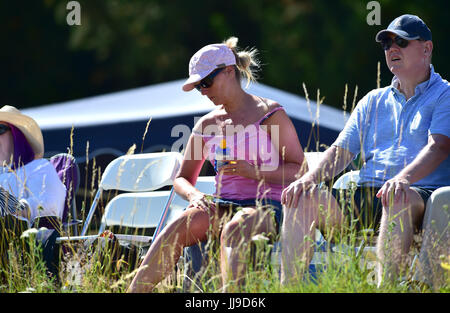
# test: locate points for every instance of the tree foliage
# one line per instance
(122, 44)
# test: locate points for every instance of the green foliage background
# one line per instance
(123, 44)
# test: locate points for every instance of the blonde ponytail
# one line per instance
(246, 61)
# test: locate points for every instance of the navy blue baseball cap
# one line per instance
(408, 27)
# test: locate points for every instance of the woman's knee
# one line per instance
(245, 224)
(191, 226)
(231, 232)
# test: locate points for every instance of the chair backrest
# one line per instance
(347, 180)
(176, 204)
(343, 182)
(137, 173)
(141, 172)
(69, 174)
(313, 158)
(137, 210)
(204, 184)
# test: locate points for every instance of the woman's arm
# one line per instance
(291, 161)
(184, 183)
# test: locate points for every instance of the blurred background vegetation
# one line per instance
(123, 44)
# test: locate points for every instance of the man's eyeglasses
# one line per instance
(208, 80)
(387, 42)
(4, 128)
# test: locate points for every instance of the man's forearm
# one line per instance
(334, 161)
(427, 161)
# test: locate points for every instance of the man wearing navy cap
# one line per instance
(402, 133)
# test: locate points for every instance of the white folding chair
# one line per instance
(137, 175)
(313, 159)
(347, 180)
(141, 210)
(176, 204)
(436, 235)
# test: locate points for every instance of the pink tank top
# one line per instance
(254, 145)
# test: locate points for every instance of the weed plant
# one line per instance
(103, 267)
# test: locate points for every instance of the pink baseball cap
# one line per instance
(206, 60)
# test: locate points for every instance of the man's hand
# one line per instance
(291, 194)
(395, 189)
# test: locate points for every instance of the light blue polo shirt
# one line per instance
(389, 131)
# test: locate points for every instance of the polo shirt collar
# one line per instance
(420, 88)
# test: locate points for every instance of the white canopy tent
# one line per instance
(112, 123)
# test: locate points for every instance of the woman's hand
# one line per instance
(240, 168)
(201, 201)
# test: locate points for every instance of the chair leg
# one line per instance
(91, 212)
(436, 238)
(194, 258)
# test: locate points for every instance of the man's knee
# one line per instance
(309, 206)
(409, 209)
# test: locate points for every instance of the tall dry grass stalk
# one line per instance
(71, 140)
(338, 267)
(145, 134)
(308, 105)
(344, 106)
(86, 170)
(378, 75)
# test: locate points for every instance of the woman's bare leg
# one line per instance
(236, 239)
(191, 227)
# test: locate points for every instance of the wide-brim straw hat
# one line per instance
(27, 126)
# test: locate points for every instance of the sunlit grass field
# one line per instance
(339, 269)
(101, 268)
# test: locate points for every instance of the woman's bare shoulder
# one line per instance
(269, 104)
(208, 119)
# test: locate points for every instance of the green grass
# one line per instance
(102, 269)
(94, 269)
(90, 271)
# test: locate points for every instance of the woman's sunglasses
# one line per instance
(387, 42)
(4, 128)
(208, 80)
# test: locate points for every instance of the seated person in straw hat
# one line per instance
(29, 185)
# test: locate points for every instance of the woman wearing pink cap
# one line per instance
(264, 155)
